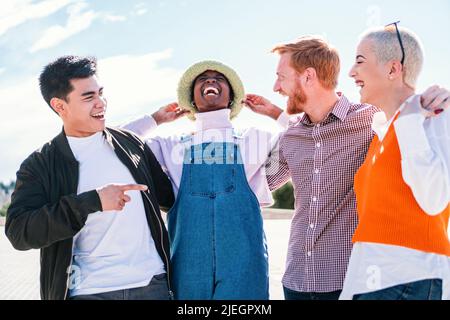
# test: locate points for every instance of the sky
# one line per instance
(143, 47)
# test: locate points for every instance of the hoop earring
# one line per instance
(193, 104)
(231, 103)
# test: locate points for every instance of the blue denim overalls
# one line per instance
(218, 245)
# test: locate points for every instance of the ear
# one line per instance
(310, 75)
(58, 105)
(395, 70)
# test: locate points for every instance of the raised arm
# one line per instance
(262, 106)
(425, 153)
(146, 124)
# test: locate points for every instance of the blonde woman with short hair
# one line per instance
(401, 247)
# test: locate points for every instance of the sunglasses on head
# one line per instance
(399, 38)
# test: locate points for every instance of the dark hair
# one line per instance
(54, 80)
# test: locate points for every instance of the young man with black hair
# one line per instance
(88, 199)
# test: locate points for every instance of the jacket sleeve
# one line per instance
(33, 222)
(163, 186)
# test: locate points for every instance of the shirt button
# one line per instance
(318, 145)
(314, 199)
(316, 171)
(309, 253)
(311, 225)
(318, 125)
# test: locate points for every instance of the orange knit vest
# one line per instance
(387, 210)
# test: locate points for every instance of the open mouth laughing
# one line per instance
(210, 91)
(359, 84)
(99, 115)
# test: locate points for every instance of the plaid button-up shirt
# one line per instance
(322, 159)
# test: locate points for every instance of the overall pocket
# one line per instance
(209, 172)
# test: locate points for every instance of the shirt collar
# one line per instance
(218, 119)
(380, 124)
(340, 110)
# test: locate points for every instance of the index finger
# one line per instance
(428, 95)
(139, 187)
(252, 96)
(441, 101)
(172, 106)
(248, 103)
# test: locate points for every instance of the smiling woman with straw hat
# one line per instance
(216, 230)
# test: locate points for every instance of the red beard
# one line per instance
(295, 103)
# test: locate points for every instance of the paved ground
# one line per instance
(19, 271)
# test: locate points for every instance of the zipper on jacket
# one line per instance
(162, 246)
(171, 295)
(69, 271)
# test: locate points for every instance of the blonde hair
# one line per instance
(314, 52)
(386, 46)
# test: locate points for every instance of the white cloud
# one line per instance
(25, 124)
(133, 85)
(16, 12)
(77, 22)
(140, 9)
(136, 82)
(113, 18)
(141, 12)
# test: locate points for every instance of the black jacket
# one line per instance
(46, 212)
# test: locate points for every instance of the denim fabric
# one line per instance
(157, 289)
(218, 246)
(295, 295)
(430, 289)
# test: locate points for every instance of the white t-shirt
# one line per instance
(114, 250)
